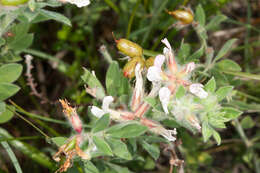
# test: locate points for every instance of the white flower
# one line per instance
(159, 60)
(154, 74)
(164, 96)
(197, 89)
(168, 134)
(79, 3)
(139, 89)
(105, 107)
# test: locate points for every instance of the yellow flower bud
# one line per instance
(129, 48)
(129, 68)
(149, 62)
(184, 16)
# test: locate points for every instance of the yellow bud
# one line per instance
(129, 68)
(149, 62)
(184, 16)
(129, 48)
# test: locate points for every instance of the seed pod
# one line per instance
(129, 68)
(129, 48)
(149, 62)
(13, 2)
(184, 16)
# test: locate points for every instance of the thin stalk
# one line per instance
(29, 122)
(112, 5)
(242, 133)
(132, 19)
(247, 52)
(105, 53)
(21, 138)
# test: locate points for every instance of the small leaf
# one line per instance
(215, 21)
(196, 55)
(154, 103)
(113, 80)
(217, 137)
(243, 75)
(117, 168)
(10, 72)
(102, 146)
(207, 131)
(7, 114)
(223, 92)
(151, 149)
(93, 83)
(55, 16)
(59, 140)
(211, 85)
(89, 167)
(180, 92)
(228, 65)
(183, 52)
(200, 15)
(247, 122)
(7, 90)
(101, 124)
(119, 148)
(231, 113)
(2, 107)
(127, 130)
(227, 46)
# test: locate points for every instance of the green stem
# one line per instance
(20, 138)
(247, 52)
(112, 5)
(242, 134)
(105, 53)
(132, 19)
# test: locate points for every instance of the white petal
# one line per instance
(167, 44)
(106, 102)
(190, 67)
(164, 96)
(79, 3)
(159, 60)
(154, 74)
(97, 111)
(139, 81)
(197, 89)
(168, 134)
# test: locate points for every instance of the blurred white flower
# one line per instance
(164, 96)
(105, 107)
(78, 3)
(190, 67)
(197, 89)
(139, 88)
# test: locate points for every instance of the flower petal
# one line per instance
(197, 89)
(79, 3)
(106, 102)
(154, 74)
(159, 60)
(190, 67)
(168, 134)
(97, 111)
(164, 96)
(166, 42)
(139, 89)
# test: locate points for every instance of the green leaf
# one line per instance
(215, 21)
(223, 92)
(93, 83)
(119, 148)
(153, 150)
(200, 15)
(217, 137)
(21, 42)
(10, 72)
(183, 52)
(89, 167)
(2, 41)
(2, 107)
(247, 122)
(180, 92)
(7, 90)
(226, 47)
(117, 168)
(127, 130)
(101, 124)
(244, 75)
(196, 55)
(154, 103)
(30, 151)
(228, 65)
(102, 146)
(231, 113)
(211, 85)
(55, 16)
(7, 114)
(207, 131)
(113, 81)
(59, 141)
